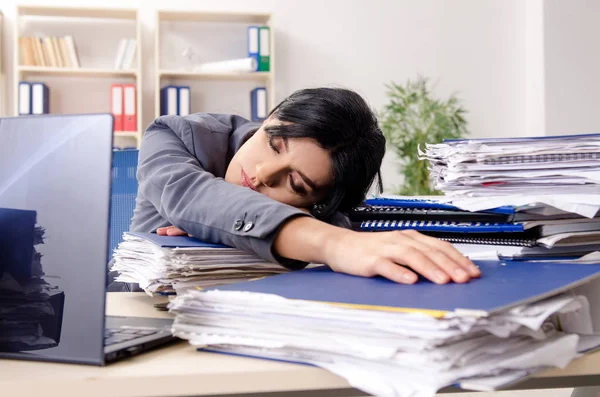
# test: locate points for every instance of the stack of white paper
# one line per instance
(491, 167)
(184, 263)
(390, 353)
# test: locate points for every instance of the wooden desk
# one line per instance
(179, 370)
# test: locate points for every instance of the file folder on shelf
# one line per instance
(264, 48)
(258, 103)
(116, 105)
(129, 108)
(169, 103)
(184, 103)
(40, 98)
(24, 98)
(253, 44)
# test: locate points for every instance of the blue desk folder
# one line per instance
(501, 286)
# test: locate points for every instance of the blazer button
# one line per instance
(248, 226)
(238, 224)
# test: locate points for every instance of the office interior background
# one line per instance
(519, 67)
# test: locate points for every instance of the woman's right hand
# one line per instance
(396, 255)
(399, 256)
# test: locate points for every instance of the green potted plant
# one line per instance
(414, 117)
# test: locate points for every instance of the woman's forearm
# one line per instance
(394, 255)
(307, 239)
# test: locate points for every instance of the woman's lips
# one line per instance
(246, 181)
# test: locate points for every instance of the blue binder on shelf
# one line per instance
(253, 44)
(169, 100)
(258, 104)
(502, 285)
(24, 98)
(40, 98)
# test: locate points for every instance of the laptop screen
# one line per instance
(54, 219)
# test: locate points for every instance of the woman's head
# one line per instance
(319, 147)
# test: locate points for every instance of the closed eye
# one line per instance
(300, 190)
(272, 145)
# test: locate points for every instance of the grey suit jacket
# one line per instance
(182, 163)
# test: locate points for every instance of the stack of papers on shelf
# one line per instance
(491, 167)
(168, 264)
(402, 340)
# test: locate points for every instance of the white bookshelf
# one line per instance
(96, 74)
(214, 36)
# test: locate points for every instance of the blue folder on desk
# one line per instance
(501, 286)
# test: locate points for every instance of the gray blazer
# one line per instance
(182, 163)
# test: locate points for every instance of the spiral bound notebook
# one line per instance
(442, 226)
(430, 204)
(505, 239)
(542, 158)
(395, 213)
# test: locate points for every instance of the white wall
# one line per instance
(472, 47)
(572, 63)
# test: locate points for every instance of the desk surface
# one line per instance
(179, 370)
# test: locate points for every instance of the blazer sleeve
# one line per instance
(186, 195)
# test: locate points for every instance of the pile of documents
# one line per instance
(509, 166)
(525, 228)
(167, 264)
(402, 340)
(31, 309)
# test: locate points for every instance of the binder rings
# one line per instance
(258, 102)
(116, 105)
(264, 49)
(502, 285)
(40, 98)
(129, 108)
(253, 44)
(24, 98)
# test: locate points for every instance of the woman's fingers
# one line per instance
(392, 271)
(175, 231)
(170, 231)
(441, 259)
(449, 250)
(409, 255)
(442, 254)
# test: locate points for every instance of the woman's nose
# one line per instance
(268, 173)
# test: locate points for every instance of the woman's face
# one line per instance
(293, 171)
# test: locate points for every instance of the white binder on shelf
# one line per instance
(40, 101)
(24, 98)
(184, 100)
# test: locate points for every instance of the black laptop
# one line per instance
(55, 189)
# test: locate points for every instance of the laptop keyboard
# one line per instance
(118, 335)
